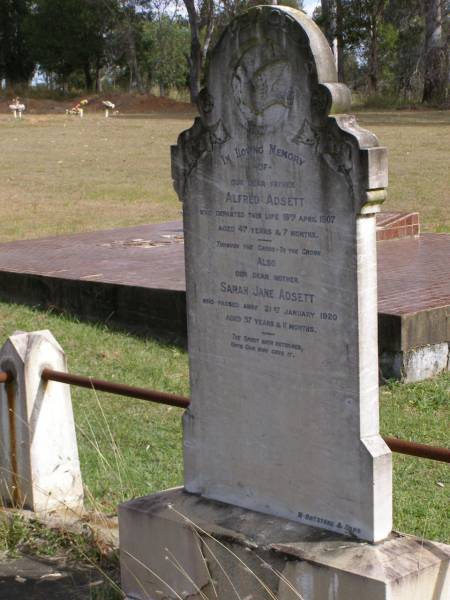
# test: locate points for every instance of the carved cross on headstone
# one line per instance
(280, 191)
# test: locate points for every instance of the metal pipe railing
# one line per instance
(5, 377)
(395, 445)
(116, 388)
(420, 450)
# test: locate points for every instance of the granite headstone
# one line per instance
(280, 190)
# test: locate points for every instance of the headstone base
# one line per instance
(178, 545)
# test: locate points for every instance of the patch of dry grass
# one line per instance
(64, 175)
(419, 174)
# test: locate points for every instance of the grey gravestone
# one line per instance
(279, 193)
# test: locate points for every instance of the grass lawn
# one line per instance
(130, 448)
(420, 412)
(65, 175)
(419, 177)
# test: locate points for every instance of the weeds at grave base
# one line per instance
(71, 540)
(27, 534)
(419, 412)
(22, 535)
(205, 545)
(201, 532)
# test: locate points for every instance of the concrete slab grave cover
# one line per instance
(280, 190)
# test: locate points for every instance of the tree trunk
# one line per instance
(372, 64)
(435, 53)
(329, 19)
(98, 79)
(88, 77)
(340, 41)
(332, 15)
(135, 75)
(195, 57)
(208, 38)
(195, 68)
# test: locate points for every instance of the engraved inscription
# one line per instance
(267, 229)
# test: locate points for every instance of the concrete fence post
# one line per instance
(39, 465)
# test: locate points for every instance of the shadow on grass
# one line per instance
(141, 332)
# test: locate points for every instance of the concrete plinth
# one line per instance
(178, 545)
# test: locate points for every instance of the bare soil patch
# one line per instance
(125, 103)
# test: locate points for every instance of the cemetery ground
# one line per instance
(64, 175)
(129, 448)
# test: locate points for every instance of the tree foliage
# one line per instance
(436, 60)
(387, 47)
(166, 43)
(207, 19)
(67, 35)
(17, 62)
(394, 46)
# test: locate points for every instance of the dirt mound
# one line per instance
(139, 103)
(125, 103)
(34, 106)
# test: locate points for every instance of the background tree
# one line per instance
(436, 49)
(202, 19)
(129, 17)
(374, 12)
(368, 41)
(331, 20)
(389, 48)
(167, 42)
(69, 35)
(208, 18)
(16, 61)
(362, 29)
(405, 17)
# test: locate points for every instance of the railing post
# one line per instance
(39, 466)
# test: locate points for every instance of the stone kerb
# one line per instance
(39, 465)
(279, 192)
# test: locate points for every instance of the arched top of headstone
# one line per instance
(273, 33)
(272, 76)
